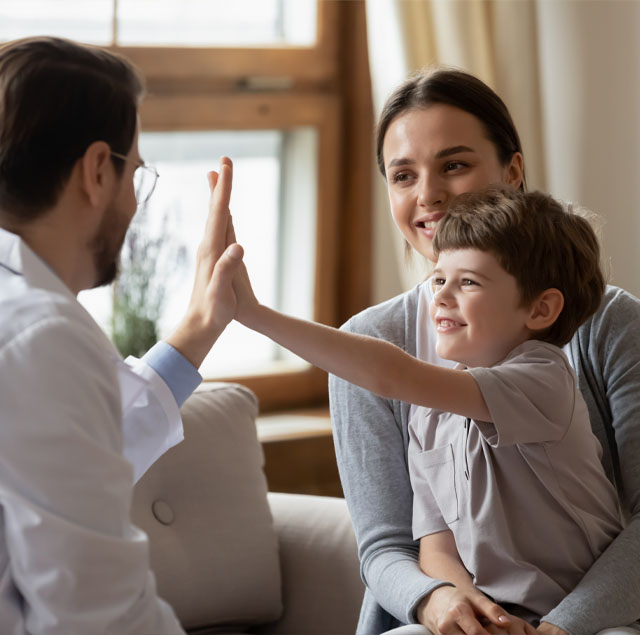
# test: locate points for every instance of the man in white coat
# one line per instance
(77, 423)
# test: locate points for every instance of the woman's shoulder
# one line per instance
(618, 298)
(390, 320)
(619, 312)
(614, 327)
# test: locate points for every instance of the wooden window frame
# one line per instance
(313, 65)
(325, 86)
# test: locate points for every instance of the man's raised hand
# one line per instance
(213, 303)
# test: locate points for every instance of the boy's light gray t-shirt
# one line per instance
(526, 495)
(372, 438)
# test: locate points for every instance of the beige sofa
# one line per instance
(231, 558)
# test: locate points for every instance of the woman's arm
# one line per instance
(462, 606)
(606, 352)
(371, 439)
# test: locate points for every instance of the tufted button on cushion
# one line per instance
(213, 548)
(163, 512)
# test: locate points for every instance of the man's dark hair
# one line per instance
(536, 240)
(57, 97)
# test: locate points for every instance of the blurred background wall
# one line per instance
(569, 71)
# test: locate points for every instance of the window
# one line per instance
(282, 87)
(165, 22)
(275, 223)
(216, 22)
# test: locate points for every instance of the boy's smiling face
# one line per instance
(476, 309)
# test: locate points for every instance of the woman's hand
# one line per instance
(546, 628)
(450, 610)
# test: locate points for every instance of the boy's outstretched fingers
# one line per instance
(235, 251)
(246, 301)
(222, 281)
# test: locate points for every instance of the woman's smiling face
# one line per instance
(431, 155)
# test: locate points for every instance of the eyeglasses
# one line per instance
(144, 179)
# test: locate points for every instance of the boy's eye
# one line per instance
(467, 282)
(437, 282)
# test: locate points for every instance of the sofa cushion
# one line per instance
(321, 582)
(204, 507)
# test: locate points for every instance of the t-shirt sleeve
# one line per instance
(531, 396)
(427, 468)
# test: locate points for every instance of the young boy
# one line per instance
(510, 496)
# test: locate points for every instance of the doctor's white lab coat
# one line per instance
(76, 424)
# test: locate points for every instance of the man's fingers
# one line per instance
(231, 232)
(215, 233)
(213, 175)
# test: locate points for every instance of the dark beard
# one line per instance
(106, 246)
(108, 274)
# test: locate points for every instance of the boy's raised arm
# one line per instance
(374, 364)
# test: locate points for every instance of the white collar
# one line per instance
(20, 259)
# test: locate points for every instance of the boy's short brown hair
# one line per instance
(538, 242)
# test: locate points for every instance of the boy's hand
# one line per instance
(213, 303)
(246, 301)
(515, 627)
(449, 610)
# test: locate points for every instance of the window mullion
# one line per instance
(114, 24)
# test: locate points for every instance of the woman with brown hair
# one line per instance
(442, 134)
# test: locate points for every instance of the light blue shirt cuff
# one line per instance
(180, 375)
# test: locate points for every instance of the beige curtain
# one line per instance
(477, 36)
(569, 71)
(495, 40)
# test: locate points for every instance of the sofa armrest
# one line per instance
(321, 586)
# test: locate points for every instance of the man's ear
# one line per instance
(545, 310)
(97, 172)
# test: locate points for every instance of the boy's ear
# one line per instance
(545, 310)
(96, 172)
